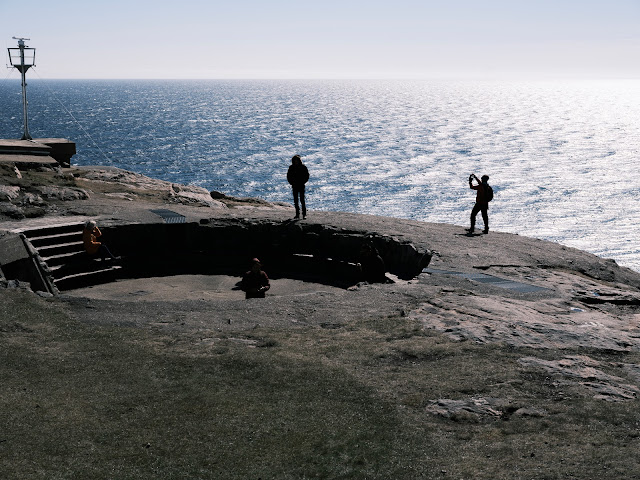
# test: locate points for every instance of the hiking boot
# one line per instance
(485, 231)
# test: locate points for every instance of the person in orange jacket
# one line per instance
(92, 246)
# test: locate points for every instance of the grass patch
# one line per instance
(81, 400)
(96, 402)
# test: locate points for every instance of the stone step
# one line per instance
(55, 239)
(60, 249)
(54, 230)
(105, 274)
(82, 264)
(65, 258)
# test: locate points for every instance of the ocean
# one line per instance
(561, 155)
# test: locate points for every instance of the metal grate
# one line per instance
(168, 216)
(490, 279)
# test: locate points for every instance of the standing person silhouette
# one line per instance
(484, 194)
(297, 176)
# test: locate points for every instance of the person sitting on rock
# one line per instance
(92, 246)
(372, 267)
(255, 282)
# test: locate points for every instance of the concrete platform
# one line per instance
(37, 152)
(22, 161)
(23, 147)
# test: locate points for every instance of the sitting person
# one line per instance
(372, 267)
(255, 282)
(92, 246)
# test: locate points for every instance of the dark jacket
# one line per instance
(373, 269)
(298, 175)
(255, 284)
(481, 192)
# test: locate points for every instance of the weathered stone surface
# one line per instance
(119, 176)
(470, 408)
(139, 185)
(582, 370)
(12, 248)
(602, 296)
(196, 195)
(557, 320)
(122, 195)
(29, 198)
(64, 194)
(530, 412)
(8, 192)
(240, 202)
(217, 195)
(12, 211)
(588, 303)
(633, 370)
(19, 285)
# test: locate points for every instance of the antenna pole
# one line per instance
(23, 70)
(23, 66)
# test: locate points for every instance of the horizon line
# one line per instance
(355, 78)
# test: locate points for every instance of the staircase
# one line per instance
(63, 261)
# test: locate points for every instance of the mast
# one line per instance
(23, 58)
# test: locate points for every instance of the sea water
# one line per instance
(561, 156)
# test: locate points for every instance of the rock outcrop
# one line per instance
(583, 306)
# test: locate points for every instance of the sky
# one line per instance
(281, 39)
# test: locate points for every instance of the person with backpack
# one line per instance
(484, 194)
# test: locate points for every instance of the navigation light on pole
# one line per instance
(23, 58)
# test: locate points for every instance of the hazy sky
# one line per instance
(327, 38)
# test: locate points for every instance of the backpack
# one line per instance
(488, 193)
